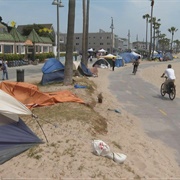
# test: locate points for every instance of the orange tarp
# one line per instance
(30, 95)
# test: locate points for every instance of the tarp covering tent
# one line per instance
(167, 56)
(119, 62)
(53, 71)
(83, 70)
(30, 96)
(128, 56)
(15, 136)
(101, 63)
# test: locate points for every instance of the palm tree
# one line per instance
(85, 31)
(177, 42)
(146, 16)
(156, 26)
(68, 71)
(152, 5)
(172, 30)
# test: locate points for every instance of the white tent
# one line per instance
(90, 50)
(11, 108)
(102, 50)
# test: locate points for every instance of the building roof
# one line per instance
(21, 27)
(17, 36)
(34, 37)
(46, 40)
(7, 37)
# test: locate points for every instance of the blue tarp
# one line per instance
(15, 138)
(52, 65)
(119, 62)
(128, 56)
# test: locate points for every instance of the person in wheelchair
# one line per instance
(170, 74)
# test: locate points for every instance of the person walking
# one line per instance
(4, 68)
(113, 63)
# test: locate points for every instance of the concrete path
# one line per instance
(159, 115)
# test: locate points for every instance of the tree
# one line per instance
(163, 42)
(68, 71)
(146, 16)
(84, 52)
(177, 42)
(172, 30)
(150, 46)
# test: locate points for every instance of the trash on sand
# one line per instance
(79, 86)
(115, 110)
(100, 148)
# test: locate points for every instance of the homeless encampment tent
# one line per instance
(167, 56)
(15, 136)
(128, 57)
(83, 70)
(53, 71)
(103, 63)
(30, 96)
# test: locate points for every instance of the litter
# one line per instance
(79, 86)
(115, 110)
(100, 148)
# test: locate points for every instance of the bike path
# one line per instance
(159, 115)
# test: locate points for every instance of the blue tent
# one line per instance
(15, 138)
(128, 57)
(119, 62)
(52, 65)
(53, 71)
(84, 70)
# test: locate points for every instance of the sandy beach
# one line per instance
(68, 155)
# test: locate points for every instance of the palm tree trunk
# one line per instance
(68, 72)
(87, 33)
(84, 33)
(150, 46)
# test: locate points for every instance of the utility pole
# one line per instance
(129, 39)
(112, 35)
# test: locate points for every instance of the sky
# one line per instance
(126, 14)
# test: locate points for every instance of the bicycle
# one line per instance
(171, 89)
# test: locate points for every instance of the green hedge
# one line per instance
(11, 57)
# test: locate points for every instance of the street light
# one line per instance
(58, 4)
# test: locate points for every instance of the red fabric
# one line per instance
(30, 95)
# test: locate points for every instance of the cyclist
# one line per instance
(136, 64)
(169, 72)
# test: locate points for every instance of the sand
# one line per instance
(69, 154)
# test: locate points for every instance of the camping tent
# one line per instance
(15, 135)
(128, 56)
(53, 71)
(101, 63)
(167, 56)
(84, 70)
(102, 50)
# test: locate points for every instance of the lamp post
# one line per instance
(58, 4)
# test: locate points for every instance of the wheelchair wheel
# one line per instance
(172, 93)
(162, 90)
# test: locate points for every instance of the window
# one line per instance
(101, 43)
(45, 49)
(8, 48)
(77, 37)
(77, 44)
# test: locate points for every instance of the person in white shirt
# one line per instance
(169, 72)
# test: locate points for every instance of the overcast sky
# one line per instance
(127, 15)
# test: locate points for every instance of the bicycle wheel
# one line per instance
(135, 70)
(162, 90)
(172, 93)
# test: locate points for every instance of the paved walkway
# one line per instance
(159, 115)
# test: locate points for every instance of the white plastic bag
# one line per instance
(100, 148)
